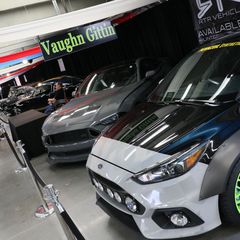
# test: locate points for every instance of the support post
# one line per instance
(45, 209)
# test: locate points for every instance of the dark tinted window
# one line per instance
(208, 75)
(110, 78)
(45, 88)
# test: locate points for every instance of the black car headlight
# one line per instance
(109, 119)
(19, 104)
(175, 166)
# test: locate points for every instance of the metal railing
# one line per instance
(48, 194)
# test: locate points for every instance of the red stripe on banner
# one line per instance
(126, 17)
(21, 54)
(18, 72)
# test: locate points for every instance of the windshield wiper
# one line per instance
(185, 102)
(201, 102)
(193, 102)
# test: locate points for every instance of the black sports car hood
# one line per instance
(86, 111)
(169, 128)
(7, 101)
(2, 101)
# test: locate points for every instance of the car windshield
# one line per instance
(43, 89)
(208, 75)
(12, 92)
(111, 78)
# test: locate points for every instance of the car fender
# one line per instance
(136, 96)
(219, 169)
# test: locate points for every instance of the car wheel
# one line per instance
(230, 200)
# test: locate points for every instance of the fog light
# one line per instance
(131, 204)
(95, 182)
(178, 219)
(117, 197)
(100, 186)
(110, 193)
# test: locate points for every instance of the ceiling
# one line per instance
(22, 22)
(38, 21)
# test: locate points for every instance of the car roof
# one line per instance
(123, 62)
(59, 78)
(113, 66)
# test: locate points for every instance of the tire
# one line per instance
(230, 200)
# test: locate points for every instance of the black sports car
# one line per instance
(105, 95)
(38, 99)
(16, 93)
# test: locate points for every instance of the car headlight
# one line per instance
(175, 166)
(109, 119)
(18, 104)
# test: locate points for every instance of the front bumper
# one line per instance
(70, 146)
(182, 192)
(69, 153)
(113, 212)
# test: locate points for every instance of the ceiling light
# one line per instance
(25, 61)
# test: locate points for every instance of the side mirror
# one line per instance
(149, 73)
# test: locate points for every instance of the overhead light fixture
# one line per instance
(25, 61)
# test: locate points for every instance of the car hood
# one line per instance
(86, 111)
(8, 101)
(171, 128)
(26, 99)
(152, 133)
(2, 101)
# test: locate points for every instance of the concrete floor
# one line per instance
(18, 200)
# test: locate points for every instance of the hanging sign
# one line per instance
(215, 18)
(77, 39)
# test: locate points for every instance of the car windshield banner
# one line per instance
(215, 18)
(77, 39)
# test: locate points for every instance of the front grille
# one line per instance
(85, 151)
(107, 184)
(69, 137)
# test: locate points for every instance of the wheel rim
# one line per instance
(237, 194)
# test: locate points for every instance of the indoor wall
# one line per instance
(164, 31)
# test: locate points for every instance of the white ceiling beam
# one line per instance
(6, 48)
(57, 23)
(6, 5)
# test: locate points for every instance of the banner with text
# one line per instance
(77, 39)
(215, 18)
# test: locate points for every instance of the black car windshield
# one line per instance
(12, 92)
(110, 78)
(208, 75)
(43, 89)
